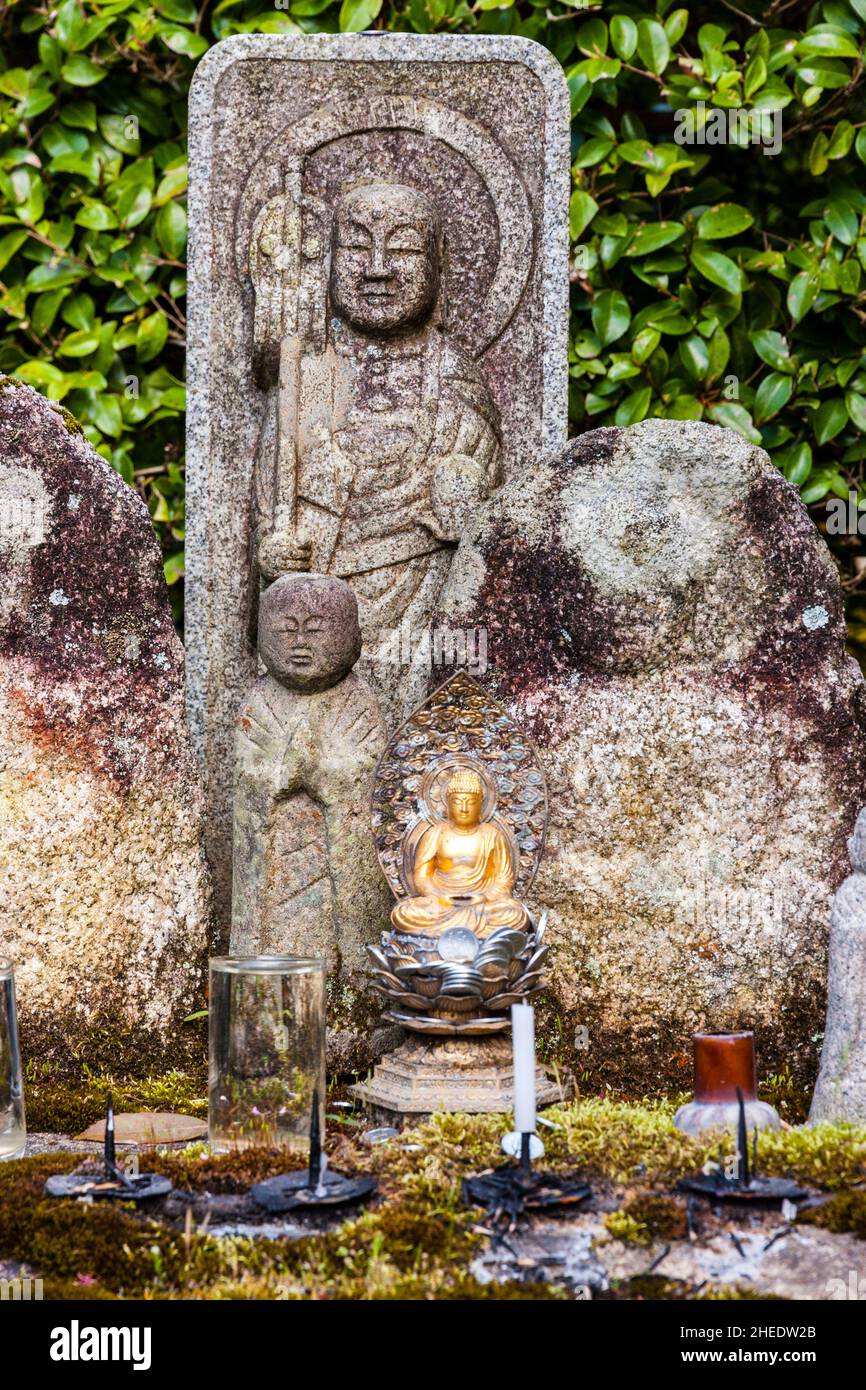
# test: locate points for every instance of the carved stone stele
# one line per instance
(378, 307)
(666, 624)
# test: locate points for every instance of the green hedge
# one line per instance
(710, 280)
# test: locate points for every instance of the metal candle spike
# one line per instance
(110, 1150)
(508, 1191)
(315, 1174)
(311, 1187)
(742, 1142)
(745, 1186)
(112, 1182)
(525, 1152)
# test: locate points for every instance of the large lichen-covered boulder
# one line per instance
(665, 621)
(103, 885)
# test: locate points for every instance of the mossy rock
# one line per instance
(646, 1217)
(843, 1214)
(55, 1105)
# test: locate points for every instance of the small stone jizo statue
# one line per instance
(305, 879)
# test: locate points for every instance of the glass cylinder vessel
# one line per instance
(13, 1131)
(267, 1052)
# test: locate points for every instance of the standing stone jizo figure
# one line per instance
(840, 1091)
(305, 879)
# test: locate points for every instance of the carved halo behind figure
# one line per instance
(460, 724)
(289, 268)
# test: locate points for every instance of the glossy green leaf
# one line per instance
(171, 229)
(623, 36)
(152, 335)
(634, 407)
(593, 152)
(773, 349)
(831, 418)
(582, 209)
(652, 236)
(184, 42)
(106, 415)
(837, 44)
(802, 293)
(356, 15)
(718, 269)
(735, 417)
(796, 463)
(855, 403)
(723, 220)
(842, 220)
(611, 316)
(80, 71)
(652, 45)
(80, 344)
(645, 344)
(694, 354)
(774, 392)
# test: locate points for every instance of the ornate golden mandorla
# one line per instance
(459, 815)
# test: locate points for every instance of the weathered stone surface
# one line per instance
(840, 1092)
(471, 1075)
(772, 1260)
(378, 330)
(148, 1128)
(665, 622)
(102, 878)
(306, 880)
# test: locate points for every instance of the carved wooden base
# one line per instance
(427, 1074)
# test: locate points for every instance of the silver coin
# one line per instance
(458, 943)
(379, 1136)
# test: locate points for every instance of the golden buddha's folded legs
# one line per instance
(429, 915)
(502, 912)
(480, 915)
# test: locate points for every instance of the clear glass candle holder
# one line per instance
(267, 1052)
(13, 1130)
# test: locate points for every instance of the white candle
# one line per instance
(523, 1040)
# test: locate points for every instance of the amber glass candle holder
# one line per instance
(13, 1131)
(724, 1065)
(267, 1052)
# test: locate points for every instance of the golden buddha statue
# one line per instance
(462, 870)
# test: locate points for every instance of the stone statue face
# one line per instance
(309, 637)
(385, 259)
(464, 809)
